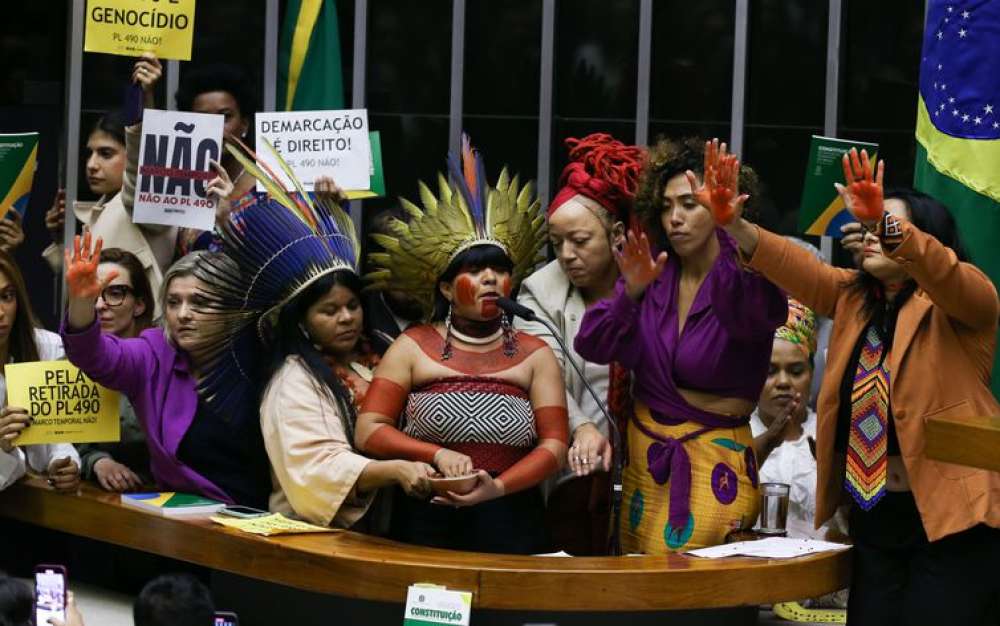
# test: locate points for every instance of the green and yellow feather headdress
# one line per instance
(466, 212)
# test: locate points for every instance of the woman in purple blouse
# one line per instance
(695, 328)
(191, 447)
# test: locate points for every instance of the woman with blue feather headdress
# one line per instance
(292, 287)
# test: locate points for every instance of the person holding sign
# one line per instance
(466, 392)
(11, 232)
(112, 169)
(20, 341)
(222, 89)
(192, 448)
(124, 309)
(913, 337)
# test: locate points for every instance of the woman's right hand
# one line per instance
(55, 218)
(13, 419)
(113, 476)
(413, 477)
(636, 264)
(451, 463)
(779, 427)
(81, 269)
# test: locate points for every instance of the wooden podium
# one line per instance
(973, 441)
(375, 571)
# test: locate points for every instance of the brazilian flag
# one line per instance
(958, 124)
(309, 70)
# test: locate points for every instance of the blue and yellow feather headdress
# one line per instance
(272, 249)
(466, 212)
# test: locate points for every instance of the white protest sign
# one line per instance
(174, 168)
(318, 143)
(433, 604)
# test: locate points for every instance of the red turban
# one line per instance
(602, 169)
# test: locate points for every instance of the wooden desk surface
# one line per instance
(360, 566)
(973, 441)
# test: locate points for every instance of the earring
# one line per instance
(447, 352)
(509, 336)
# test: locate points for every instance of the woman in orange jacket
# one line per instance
(913, 338)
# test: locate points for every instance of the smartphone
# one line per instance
(245, 512)
(50, 593)
(226, 618)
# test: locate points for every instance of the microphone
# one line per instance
(516, 309)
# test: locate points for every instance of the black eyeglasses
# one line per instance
(114, 295)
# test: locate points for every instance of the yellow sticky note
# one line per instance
(273, 524)
(131, 27)
(67, 406)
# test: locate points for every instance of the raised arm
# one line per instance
(145, 74)
(121, 364)
(960, 289)
(781, 262)
(746, 303)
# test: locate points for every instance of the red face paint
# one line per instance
(505, 287)
(465, 290)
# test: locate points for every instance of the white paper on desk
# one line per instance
(770, 548)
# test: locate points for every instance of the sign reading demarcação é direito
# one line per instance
(131, 27)
(318, 143)
(67, 407)
(174, 168)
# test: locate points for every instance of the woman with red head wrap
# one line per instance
(586, 219)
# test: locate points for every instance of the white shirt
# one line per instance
(15, 463)
(551, 296)
(792, 463)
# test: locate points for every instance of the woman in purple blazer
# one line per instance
(192, 447)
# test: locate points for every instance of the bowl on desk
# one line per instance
(455, 484)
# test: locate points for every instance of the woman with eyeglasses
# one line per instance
(124, 309)
(193, 448)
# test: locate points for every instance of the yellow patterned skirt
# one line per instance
(723, 485)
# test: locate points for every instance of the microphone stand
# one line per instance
(519, 310)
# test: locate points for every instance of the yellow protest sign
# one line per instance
(67, 406)
(131, 27)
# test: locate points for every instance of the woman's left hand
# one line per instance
(222, 188)
(64, 475)
(487, 488)
(863, 193)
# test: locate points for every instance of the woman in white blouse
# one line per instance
(21, 341)
(783, 425)
(321, 372)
